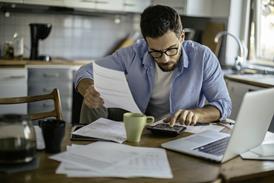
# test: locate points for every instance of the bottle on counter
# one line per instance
(18, 43)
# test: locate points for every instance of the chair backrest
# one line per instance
(54, 95)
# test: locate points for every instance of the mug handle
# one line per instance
(150, 119)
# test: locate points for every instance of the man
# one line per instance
(168, 77)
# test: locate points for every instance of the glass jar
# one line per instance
(17, 139)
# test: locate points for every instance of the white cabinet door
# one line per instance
(178, 5)
(110, 5)
(82, 4)
(12, 1)
(91, 5)
(198, 8)
(237, 91)
(45, 2)
(13, 83)
(135, 6)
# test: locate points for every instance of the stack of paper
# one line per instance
(107, 159)
(104, 129)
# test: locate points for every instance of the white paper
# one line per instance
(113, 88)
(106, 159)
(265, 151)
(104, 129)
(202, 128)
(196, 129)
(269, 138)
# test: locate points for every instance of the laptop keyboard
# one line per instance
(216, 148)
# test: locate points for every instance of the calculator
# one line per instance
(164, 129)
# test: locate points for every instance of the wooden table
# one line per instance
(184, 168)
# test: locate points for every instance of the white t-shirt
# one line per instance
(159, 102)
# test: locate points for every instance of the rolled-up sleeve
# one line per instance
(214, 87)
(85, 71)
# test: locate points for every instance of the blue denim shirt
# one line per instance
(197, 77)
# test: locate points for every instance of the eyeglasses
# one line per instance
(159, 53)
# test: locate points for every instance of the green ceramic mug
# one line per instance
(134, 125)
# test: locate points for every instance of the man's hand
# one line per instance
(206, 114)
(92, 98)
(185, 117)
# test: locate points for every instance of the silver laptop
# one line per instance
(252, 122)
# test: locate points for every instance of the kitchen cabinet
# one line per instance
(12, 1)
(13, 83)
(43, 80)
(80, 4)
(47, 2)
(198, 8)
(135, 6)
(237, 91)
(110, 5)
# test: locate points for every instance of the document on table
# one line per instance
(104, 129)
(113, 88)
(106, 159)
(265, 151)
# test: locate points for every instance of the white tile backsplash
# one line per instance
(72, 36)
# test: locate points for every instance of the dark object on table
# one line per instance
(164, 129)
(53, 132)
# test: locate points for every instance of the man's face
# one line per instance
(166, 50)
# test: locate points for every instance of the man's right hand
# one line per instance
(92, 98)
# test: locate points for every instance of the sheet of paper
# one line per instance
(269, 138)
(196, 129)
(202, 128)
(104, 129)
(265, 151)
(122, 161)
(113, 88)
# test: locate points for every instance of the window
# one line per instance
(261, 43)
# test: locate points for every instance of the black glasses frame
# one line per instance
(164, 52)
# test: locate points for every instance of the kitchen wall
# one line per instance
(72, 36)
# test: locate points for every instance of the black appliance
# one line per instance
(38, 32)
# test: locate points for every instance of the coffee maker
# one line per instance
(38, 32)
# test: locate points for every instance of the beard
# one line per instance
(167, 67)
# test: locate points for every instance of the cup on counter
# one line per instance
(53, 132)
(134, 125)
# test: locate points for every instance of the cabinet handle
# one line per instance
(46, 105)
(15, 77)
(102, 2)
(88, 1)
(251, 90)
(129, 4)
(51, 75)
(46, 90)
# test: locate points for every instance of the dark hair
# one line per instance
(157, 20)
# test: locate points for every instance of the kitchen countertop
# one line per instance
(23, 63)
(260, 80)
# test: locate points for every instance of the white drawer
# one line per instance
(38, 89)
(45, 74)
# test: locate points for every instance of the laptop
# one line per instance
(252, 122)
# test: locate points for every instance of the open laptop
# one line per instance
(252, 122)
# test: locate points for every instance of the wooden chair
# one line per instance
(54, 95)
